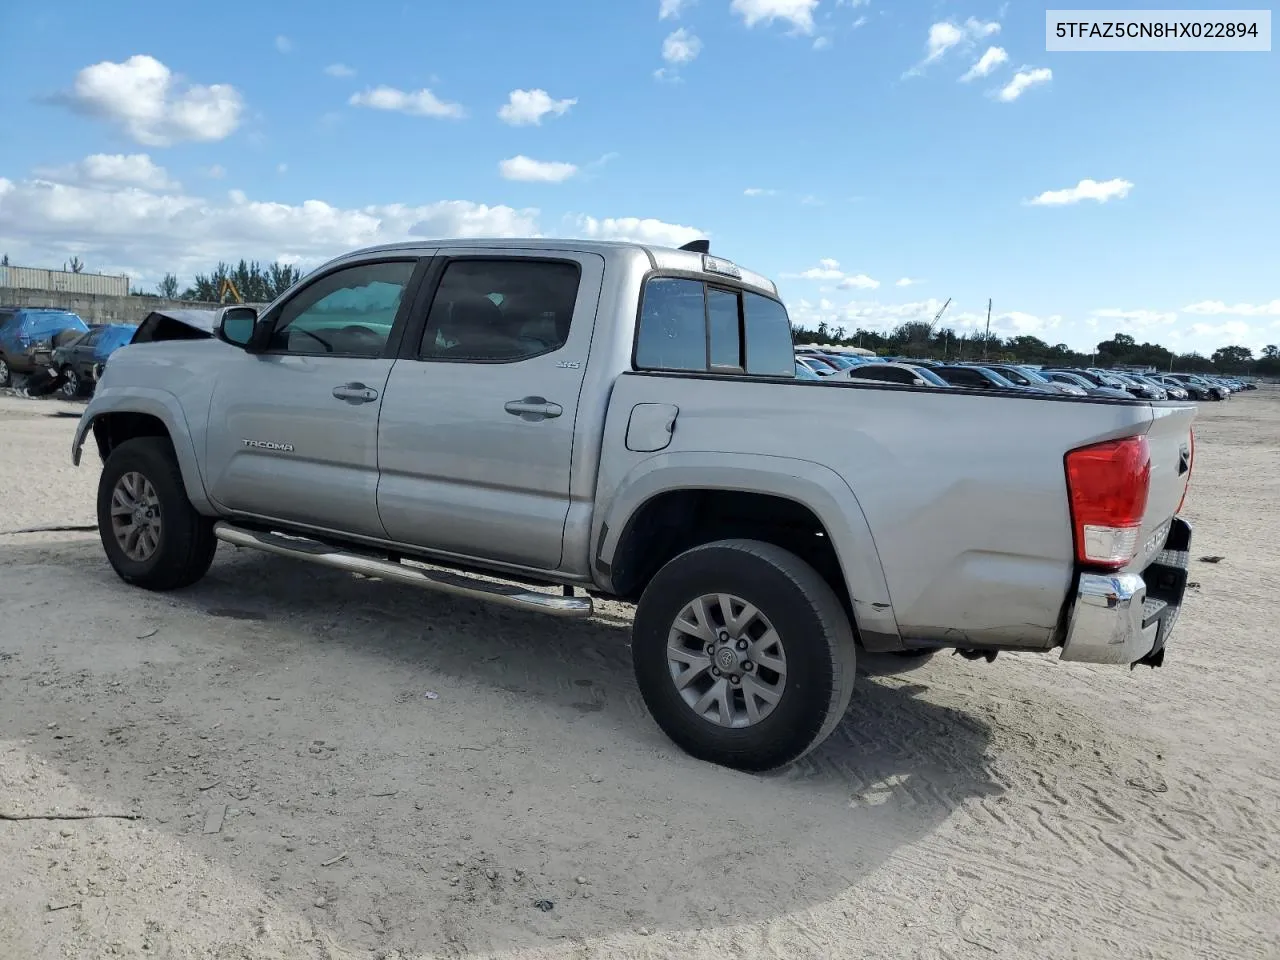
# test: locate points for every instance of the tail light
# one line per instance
(1191, 465)
(1107, 484)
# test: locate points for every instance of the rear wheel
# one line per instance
(152, 535)
(743, 654)
(6, 376)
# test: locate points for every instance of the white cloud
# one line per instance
(1022, 81)
(681, 46)
(799, 13)
(339, 70)
(868, 314)
(536, 171)
(821, 43)
(527, 107)
(282, 168)
(145, 233)
(420, 103)
(284, 44)
(907, 282)
(942, 37)
(829, 269)
(859, 281)
(216, 172)
(1115, 189)
(1219, 308)
(1136, 318)
(142, 96)
(634, 229)
(758, 192)
(671, 9)
(135, 169)
(1230, 331)
(946, 35)
(985, 64)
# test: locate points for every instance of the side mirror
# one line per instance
(236, 325)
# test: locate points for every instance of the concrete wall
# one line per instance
(92, 308)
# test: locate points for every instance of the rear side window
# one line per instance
(673, 326)
(967, 378)
(768, 333)
(504, 310)
(724, 338)
(690, 325)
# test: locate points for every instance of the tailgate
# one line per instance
(1170, 442)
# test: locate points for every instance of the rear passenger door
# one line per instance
(475, 438)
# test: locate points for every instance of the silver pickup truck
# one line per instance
(579, 419)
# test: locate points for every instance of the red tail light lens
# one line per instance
(1191, 465)
(1108, 484)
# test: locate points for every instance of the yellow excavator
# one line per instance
(228, 287)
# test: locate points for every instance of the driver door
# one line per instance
(293, 427)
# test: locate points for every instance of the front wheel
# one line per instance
(152, 535)
(743, 654)
(6, 376)
(71, 383)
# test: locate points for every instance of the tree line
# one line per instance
(254, 282)
(923, 340)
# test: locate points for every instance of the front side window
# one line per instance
(501, 310)
(347, 313)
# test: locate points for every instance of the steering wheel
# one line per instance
(290, 331)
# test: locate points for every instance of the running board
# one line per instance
(507, 595)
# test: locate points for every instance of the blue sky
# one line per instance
(829, 143)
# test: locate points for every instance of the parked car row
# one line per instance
(57, 345)
(28, 335)
(813, 364)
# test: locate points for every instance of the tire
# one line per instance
(6, 375)
(816, 652)
(72, 385)
(184, 546)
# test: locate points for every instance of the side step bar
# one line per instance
(508, 595)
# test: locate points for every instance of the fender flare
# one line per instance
(820, 489)
(165, 407)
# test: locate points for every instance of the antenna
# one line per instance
(697, 246)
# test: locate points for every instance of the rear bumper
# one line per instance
(1128, 617)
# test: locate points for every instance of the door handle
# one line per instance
(533, 409)
(355, 393)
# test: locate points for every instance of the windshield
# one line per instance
(1033, 375)
(992, 375)
(804, 373)
(928, 376)
(844, 363)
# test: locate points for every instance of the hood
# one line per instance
(178, 324)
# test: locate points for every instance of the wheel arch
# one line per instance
(671, 503)
(147, 413)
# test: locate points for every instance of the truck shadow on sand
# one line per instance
(472, 760)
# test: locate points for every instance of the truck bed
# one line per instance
(960, 495)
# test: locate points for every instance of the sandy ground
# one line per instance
(323, 767)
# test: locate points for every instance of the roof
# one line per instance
(660, 257)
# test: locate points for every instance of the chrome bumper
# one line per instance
(1126, 617)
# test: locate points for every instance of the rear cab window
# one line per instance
(696, 325)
